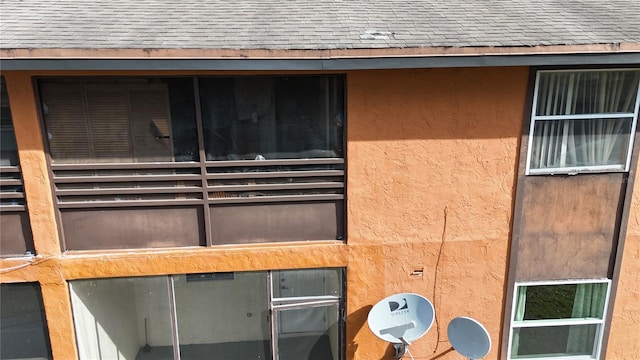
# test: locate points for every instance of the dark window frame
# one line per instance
(18, 240)
(29, 318)
(204, 184)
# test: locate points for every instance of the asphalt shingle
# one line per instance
(317, 24)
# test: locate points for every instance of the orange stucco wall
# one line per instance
(431, 174)
(624, 337)
(431, 162)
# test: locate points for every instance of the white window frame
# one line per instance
(572, 170)
(560, 322)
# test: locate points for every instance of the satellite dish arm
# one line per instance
(398, 332)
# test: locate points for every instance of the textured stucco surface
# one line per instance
(33, 163)
(431, 159)
(432, 156)
(624, 338)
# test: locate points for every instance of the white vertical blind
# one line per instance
(583, 119)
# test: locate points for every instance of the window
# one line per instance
(15, 232)
(23, 329)
(8, 147)
(188, 161)
(583, 121)
(278, 315)
(558, 320)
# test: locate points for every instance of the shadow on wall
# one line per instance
(457, 103)
(356, 321)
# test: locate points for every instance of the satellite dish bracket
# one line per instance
(400, 349)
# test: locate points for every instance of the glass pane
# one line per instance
(563, 301)
(120, 120)
(23, 330)
(263, 117)
(223, 316)
(8, 147)
(15, 228)
(122, 318)
(311, 333)
(554, 341)
(578, 143)
(314, 282)
(587, 92)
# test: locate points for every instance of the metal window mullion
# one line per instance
(534, 109)
(277, 198)
(126, 166)
(174, 318)
(202, 154)
(634, 123)
(305, 298)
(563, 282)
(127, 191)
(125, 203)
(556, 322)
(93, 179)
(12, 208)
(275, 162)
(275, 174)
(273, 318)
(305, 305)
(7, 169)
(279, 186)
(600, 332)
(583, 116)
(577, 169)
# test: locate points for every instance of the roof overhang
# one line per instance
(317, 60)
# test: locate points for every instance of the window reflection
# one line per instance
(263, 118)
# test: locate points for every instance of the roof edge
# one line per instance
(336, 60)
(152, 53)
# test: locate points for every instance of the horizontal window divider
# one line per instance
(564, 282)
(127, 203)
(554, 356)
(123, 178)
(614, 116)
(279, 198)
(10, 182)
(556, 322)
(287, 186)
(304, 305)
(274, 174)
(11, 195)
(275, 162)
(577, 169)
(9, 169)
(12, 208)
(129, 191)
(126, 166)
(297, 299)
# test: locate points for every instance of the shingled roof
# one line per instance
(314, 25)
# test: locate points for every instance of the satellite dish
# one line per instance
(469, 337)
(401, 319)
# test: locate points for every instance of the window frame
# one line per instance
(513, 324)
(573, 170)
(206, 186)
(21, 319)
(275, 305)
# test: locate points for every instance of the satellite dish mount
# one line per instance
(398, 332)
(401, 319)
